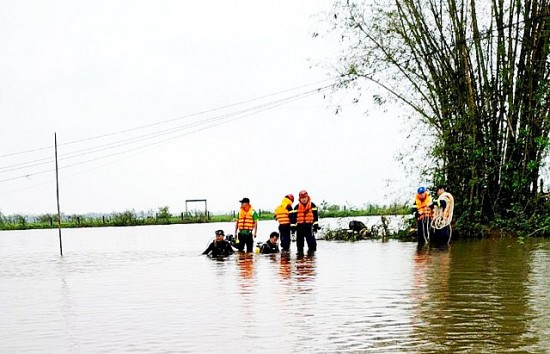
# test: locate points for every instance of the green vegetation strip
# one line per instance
(164, 217)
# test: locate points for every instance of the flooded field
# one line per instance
(149, 290)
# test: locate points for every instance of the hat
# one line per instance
(421, 190)
(303, 193)
(219, 232)
(290, 197)
(244, 200)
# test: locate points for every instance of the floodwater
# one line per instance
(148, 290)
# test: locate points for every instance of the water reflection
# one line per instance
(476, 304)
(285, 268)
(245, 262)
(66, 306)
(305, 273)
(138, 291)
(539, 300)
(430, 292)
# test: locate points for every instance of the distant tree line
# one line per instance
(163, 216)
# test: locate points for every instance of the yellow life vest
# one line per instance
(246, 219)
(281, 212)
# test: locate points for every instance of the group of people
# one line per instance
(301, 220)
(222, 247)
(433, 217)
(433, 223)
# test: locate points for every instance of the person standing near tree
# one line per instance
(423, 214)
(304, 220)
(443, 216)
(282, 213)
(246, 226)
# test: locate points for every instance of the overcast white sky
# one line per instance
(123, 83)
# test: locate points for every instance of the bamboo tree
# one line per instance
(477, 73)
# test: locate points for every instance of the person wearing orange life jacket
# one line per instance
(282, 214)
(424, 214)
(246, 226)
(304, 220)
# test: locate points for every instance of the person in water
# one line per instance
(304, 220)
(282, 214)
(271, 245)
(443, 215)
(423, 214)
(246, 226)
(219, 247)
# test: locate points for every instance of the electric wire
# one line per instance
(153, 135)
(214, 121)
(169, 120)
(150, 135)
(47, 160)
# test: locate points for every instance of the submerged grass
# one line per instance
(380, 230)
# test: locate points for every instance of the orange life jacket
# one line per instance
(304, 213)
(246, 219)
(281, 212)
(423, 206)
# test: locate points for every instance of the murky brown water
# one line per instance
(148, 290)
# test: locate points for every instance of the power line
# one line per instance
(213, 122)
(169, 120)
(148, 136)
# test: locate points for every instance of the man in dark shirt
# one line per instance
(219, 247)
(271, 245)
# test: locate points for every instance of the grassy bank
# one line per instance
(164, 217)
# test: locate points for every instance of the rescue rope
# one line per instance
(426, 229)
(443, 217)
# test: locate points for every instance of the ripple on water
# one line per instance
(149, 290)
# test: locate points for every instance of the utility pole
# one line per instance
(57, 192)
